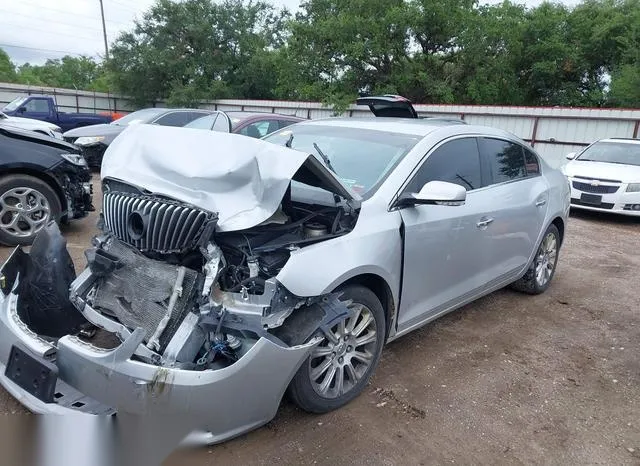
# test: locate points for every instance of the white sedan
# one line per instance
(30, 124)
(606, 176)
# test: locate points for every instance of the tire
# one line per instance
(16, 190)
(342, 357)
(530, 282)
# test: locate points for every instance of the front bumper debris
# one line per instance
(223, 402)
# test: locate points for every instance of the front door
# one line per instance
(446, 255)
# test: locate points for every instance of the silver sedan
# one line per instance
(231, 269)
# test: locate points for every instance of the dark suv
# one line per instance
(41, 178)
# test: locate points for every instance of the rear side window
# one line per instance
(505, 159)
(457, 161)
(532, 165)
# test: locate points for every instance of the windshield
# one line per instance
(140, 116)
(361, 158)
(626, 153)
(14, 104)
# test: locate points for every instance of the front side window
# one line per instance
(205, 122)
(259, 129)
(456, 161)
(37, 106)
(505, 159)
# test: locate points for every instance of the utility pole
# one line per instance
(104, 32)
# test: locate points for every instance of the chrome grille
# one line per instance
(162, 226)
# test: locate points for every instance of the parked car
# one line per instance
(233, 268)
(252, 124)
(44, 107)
(606, 176)
(95, 139)
(41, 179)
(42, 127)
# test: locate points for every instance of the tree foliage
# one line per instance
(432, 51)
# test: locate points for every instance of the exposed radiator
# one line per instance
(151, 224)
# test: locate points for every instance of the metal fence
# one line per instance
(553, 131)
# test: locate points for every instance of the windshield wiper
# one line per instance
(289, 141)
(324, 157)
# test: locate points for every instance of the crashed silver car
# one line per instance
(231, 270)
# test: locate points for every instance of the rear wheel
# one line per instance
(541, 271)
(27, 204)
(339, 368)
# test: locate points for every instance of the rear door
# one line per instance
(389, 106)
(517, 199)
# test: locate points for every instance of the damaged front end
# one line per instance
(191, 321)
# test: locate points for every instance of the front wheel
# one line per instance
(538, 276)
(339, 367)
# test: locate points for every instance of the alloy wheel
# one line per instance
(546, 259)
(23, 212)
(346, 353)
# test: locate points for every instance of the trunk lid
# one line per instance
(389, 106)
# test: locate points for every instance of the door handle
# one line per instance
(484, 222)
(541, 202)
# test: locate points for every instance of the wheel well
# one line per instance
(41, 176)
(559, 223)
(381, 289)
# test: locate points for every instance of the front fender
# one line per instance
(373, 247)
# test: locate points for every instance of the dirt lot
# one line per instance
(551, 379)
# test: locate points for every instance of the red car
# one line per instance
(252, 124)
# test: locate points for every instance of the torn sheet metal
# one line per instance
(242, 179)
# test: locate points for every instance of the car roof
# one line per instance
(623, 140)
(415, 127)
(244, 115)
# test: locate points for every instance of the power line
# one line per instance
(49, 50)
(51, 21)
(44, 31)
(124, 6)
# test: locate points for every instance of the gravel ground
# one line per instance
(509, 379)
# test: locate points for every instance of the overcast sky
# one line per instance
(35, 30)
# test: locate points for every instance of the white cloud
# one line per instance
(35, 30)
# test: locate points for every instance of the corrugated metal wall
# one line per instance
(553, 131)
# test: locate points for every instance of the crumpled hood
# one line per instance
(242, 179)
(602, 170)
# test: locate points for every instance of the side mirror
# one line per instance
(571, 155)
(435, 193)
(22, 109)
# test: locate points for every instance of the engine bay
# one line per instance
(202, 297)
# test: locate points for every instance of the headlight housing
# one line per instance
(88, 140)
(75, 159)
(633, 188)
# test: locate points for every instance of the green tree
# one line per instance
(7, 68)
(196, 49)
